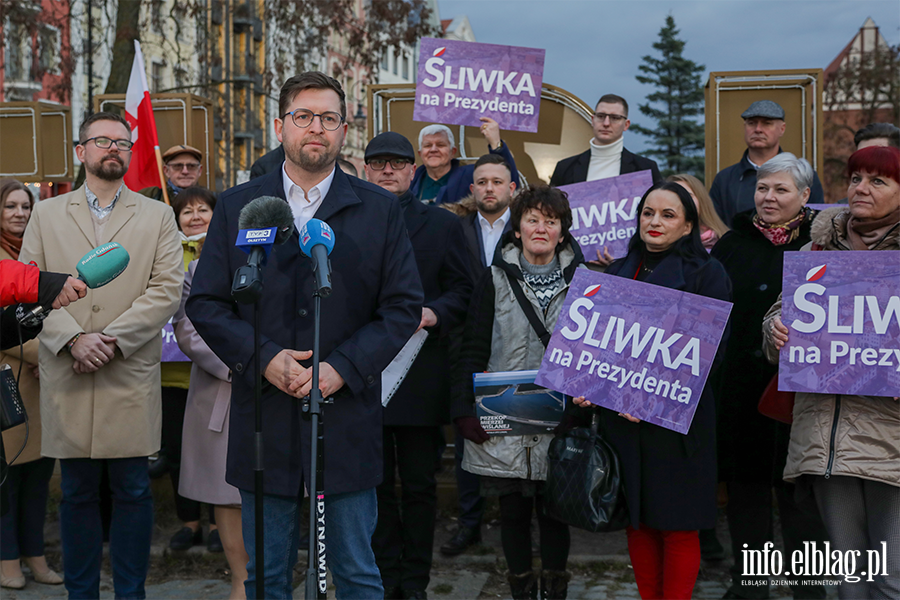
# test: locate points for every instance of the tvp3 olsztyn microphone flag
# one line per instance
(146, 161)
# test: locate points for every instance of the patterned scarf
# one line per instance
(782, 233)
(545, 280)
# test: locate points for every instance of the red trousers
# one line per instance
(666, 563)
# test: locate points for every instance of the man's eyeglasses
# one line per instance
(303, 118)
(191, 167)
(397, 164)
(105, 143)
(612, 118)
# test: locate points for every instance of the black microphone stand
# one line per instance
(316, 586)
(247, 289)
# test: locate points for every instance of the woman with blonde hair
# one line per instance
(712, 228)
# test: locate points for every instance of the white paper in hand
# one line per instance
(395, 373)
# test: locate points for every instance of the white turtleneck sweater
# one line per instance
(605, 160)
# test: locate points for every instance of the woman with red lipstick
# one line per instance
(752, 448)
(670, 478)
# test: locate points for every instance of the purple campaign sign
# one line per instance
(170, 350)
(460, 81)
(603, 212)
(843, 313)
(634, 347)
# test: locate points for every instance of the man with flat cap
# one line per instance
(182, 166)
(733, 188)
(404, 535)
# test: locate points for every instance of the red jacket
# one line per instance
(18, 283)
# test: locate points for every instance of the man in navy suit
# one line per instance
(607, 156)
(404, 535)
(374, 307)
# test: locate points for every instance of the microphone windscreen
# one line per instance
(265, 212)
(316, 232)
(102, 264)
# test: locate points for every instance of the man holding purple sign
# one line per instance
(442, 179)
(670, 477)
(844, 445)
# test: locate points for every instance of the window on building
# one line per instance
(156, 77)
(396, 62)
(405, 66)
(385, 61)
(49, 50)
(19, 58)
(156, 15)
(181, 77)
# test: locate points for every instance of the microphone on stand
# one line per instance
(317, 242)
(96, 268)
(264, 222)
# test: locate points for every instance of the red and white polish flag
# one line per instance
(144, 169)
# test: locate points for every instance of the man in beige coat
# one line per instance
(100, 358)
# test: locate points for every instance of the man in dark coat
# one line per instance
(374, 307)
(607, 156)
(442, 179)
(268, 162)
(404, 535)
(733, 188)
(485, 217)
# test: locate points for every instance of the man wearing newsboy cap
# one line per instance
(733, 188)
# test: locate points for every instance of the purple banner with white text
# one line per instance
(170, 350)
(842, 310)
(458, 82)
(634, 347)
(603, 212)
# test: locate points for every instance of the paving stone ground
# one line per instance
(599, 563)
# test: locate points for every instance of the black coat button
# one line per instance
(302, 312)
(370, 380)
(239, 367)
(763, 287)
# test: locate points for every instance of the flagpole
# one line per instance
(162, 179)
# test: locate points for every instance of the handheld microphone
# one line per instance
(317, 242)
(263, 222)
(96, 268)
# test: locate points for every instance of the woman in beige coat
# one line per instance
(847, 448)
(22, 528)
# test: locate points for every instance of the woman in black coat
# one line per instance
(753, 448)
(670, 478)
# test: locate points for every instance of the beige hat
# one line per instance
(181, 149)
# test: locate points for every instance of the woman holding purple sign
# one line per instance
(752, 447)
(534, 264)
(670, 478)
(845, 448)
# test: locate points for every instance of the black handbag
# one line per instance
(584, 484)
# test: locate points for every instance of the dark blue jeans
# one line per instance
(350, 521)
(82, 531)
(22, 528)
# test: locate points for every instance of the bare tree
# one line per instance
(864, 89)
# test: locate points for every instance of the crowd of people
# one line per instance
(482, 263)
